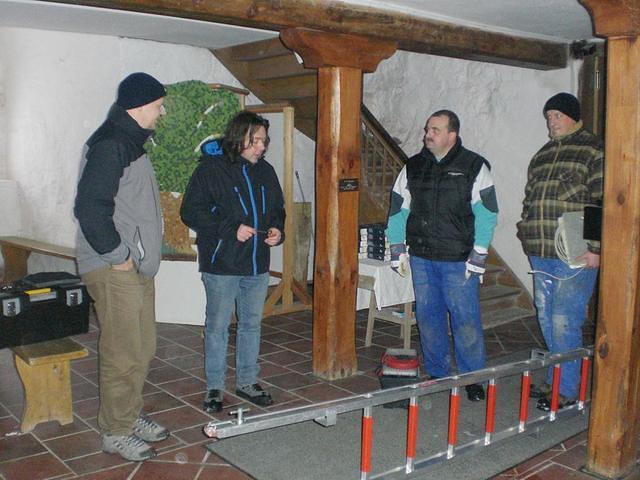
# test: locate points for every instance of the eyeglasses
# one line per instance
(265, 141)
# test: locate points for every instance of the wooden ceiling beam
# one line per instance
(412, 33)
(614, 18)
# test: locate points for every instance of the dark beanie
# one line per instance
(565, 103)
(139, 89)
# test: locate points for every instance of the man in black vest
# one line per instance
(444, 209)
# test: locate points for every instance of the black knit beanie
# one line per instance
(139, 89)
(565, 103)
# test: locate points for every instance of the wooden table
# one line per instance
(44, 369)
(16, 251)
(387, 295)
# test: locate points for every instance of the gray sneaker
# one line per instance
(146, 429)
(128, 447)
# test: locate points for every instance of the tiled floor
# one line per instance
(174, 392)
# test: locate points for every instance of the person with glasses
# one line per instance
(235, 205)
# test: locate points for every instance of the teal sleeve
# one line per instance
(397, 226)
(485, 223)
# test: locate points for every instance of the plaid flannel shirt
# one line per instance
(565, 175)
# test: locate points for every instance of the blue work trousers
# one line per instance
(441, 287)
(562, 309)
(223, 292)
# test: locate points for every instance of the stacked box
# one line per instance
(373, 242)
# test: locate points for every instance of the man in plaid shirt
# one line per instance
(565, 175)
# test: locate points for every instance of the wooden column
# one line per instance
(613, 430)
(340, 60)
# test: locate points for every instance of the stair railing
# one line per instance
(381, 159)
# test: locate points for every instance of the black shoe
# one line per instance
(544, 404)
(475, 392)
(540, 391)
(213, 401)
(255, 394)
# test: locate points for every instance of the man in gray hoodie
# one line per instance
(118, 252)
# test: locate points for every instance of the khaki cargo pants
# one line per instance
(125, 305)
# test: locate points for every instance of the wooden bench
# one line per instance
(44, 369)
(16, 251)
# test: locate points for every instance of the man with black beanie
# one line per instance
(564, 176)
(118, 254)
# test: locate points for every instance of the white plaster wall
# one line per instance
(500, 110)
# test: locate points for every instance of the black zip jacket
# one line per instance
(223, 193)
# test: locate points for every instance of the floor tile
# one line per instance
(574, 458)
(8, 424)
(118, 473)
(285, 358)
(180, 418)
(95, 463)
(558, 472)
(358, 384)
(268, 369)
(187, 362)
(165, 374)
(321, 392)
(172, 350)
(19, 446)
(292, 380)
(49, 430)
(160, 401)
(300, 346)
(185, 386)
(33, 468)
(76, 445)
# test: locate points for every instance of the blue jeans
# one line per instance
(562, 309)
(441, 287)
(223, 291)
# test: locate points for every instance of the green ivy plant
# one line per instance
(195, 113)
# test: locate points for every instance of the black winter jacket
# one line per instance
(223, 193)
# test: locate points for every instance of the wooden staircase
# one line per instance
(273, 74)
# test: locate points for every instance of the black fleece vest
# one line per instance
(441, 223)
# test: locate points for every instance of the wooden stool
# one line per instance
(44, 369)
(405, 319)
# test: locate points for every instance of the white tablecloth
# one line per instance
(390, 288)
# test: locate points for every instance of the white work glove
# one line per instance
(399, 259)
(476, 264)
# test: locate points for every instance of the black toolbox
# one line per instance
(51, 306)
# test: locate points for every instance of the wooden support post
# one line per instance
(613, 429)
(340, 60)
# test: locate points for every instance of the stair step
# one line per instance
(278, 67)
(498, 297)
(247, 52)
(288, 89)
(494, 292)
(505, 315)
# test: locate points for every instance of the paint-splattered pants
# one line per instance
(441, 288)
(562, 309)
